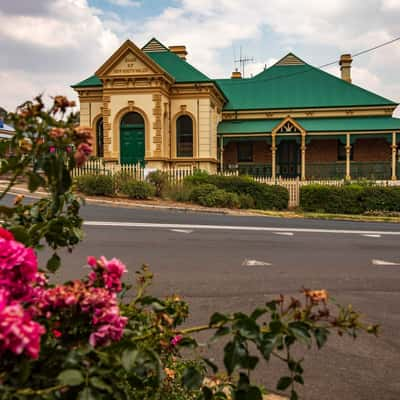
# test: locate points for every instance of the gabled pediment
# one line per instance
(129, 60)
(290, 59)
(289, 126)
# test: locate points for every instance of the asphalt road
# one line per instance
(205, 266)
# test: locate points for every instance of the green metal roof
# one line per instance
(295, 86)
(89, 82)
(334, 124)
(180, 69)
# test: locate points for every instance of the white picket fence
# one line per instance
(177, 175)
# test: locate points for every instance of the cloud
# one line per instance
(60, 45)
(125, 3)
(59, 42)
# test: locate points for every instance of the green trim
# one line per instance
(329, 125)
(89, 82)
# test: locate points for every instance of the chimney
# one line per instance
(345, 67)
(236, 74)
(180, 51)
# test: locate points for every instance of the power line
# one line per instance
(310, 67)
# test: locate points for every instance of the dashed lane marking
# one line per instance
(284, 233)
(182, 230)
(372, 235)
(255, 263)
(382, 263)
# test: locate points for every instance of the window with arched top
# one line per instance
(184, 136)
(100, 138)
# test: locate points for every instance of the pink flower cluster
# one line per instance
(24, 297)
(20, 284)
(100, 303)
(107, 273)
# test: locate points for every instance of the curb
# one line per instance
(93, 200)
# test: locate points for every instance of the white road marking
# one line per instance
(284, 233)
(181, 230)
(372, 236)
(383, 263)
(237, 228)
(255, 263)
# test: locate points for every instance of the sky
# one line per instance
(48, 45)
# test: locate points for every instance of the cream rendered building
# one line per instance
(150, 106)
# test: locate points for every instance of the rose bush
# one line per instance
(98, 338)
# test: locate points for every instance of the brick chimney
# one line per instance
(345, 66)
(180, 51)
(236, 74)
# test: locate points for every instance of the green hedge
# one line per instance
(137, 190)
(96, 185)
(210, 196)
(349, 199)
(265, 197)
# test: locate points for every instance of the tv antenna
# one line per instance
(242, 61)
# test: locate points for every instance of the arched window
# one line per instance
(132, 118)
(184, 136)
(100, 138)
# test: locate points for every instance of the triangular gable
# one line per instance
(290, 59)
(289, 126)
(154, 45)
(130, 60)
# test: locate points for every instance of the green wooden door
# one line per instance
(132, 144)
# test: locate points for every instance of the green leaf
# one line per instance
(20, 234)
(98, 383)
(321, 336)
(192, 378)
(129, 358)
(267, 345)
(293, 395)
(275, 326)
(34, 181)
(247, 327)
(87, 394)
(54, 263)
(188, 342)
(257, 313)
(284, 383)
(218, 318)
(213, 366)
(299, 379)
(272, 305)
(234, 353)
(301, 331)
(71, 377)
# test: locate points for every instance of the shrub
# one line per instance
(349, 199)
(266, 197)
(220, 198)
(137, 190)
(201, 191)
(160, 181)
(246, 201)
(199, 177)
(179, 192)
(376, 198)
(96, 185)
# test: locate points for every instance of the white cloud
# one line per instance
(125, 3)
(49, 51)
(64, 41)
